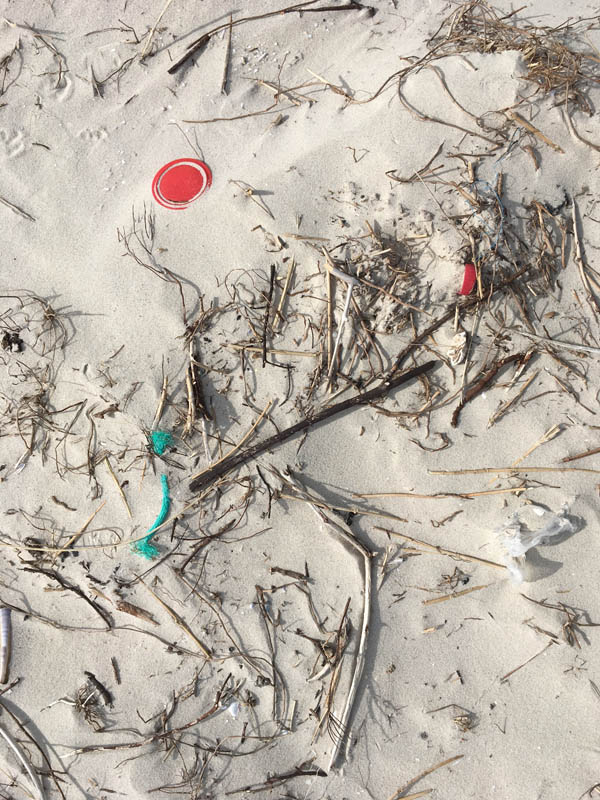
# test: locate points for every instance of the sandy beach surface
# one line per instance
(395, 202)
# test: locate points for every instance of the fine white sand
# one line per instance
(105, 332)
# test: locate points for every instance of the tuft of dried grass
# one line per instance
(559, 60)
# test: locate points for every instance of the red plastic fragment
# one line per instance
(470, 279)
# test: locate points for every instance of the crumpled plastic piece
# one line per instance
(469, 279)
(517, 539)
(457, 351)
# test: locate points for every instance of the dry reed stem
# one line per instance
(488, 470)
(178, 621)
(81, 531)
(161, 402)
(286, 287)
(119, 487)
(445, 495)
(153, 30)
(581, 265)
(442, 550)
(532, 129)
(550, 434)
(454, 595)
(399, 793)
(255, 348)
(348, 510)
(524, 664)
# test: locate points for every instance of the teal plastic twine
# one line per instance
(144, 547)
(159, 440)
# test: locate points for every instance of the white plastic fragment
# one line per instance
(517, 539)
(456, 352)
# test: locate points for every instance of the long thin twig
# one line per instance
(153, 30)
(284, 292)
(81, 530)
(199, 44)
(227, 57)
(16, 209)
(516, 669)
(119, 487)
(593, 452)
(487, 470)
(482, 382)
(398, 794)
(179, 621)
(23, 728)
(442, 550)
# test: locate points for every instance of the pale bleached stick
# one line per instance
(81, 531)
(488, 470)
(350, 283)
(532, 129)
(550, 434)
(399, 793)
(329, 280)
(580, 348)
(442, 550)
(286, 287)
(33, 776)
(161, 402)
(119, 487)
(590, 296)
(227, 57)
(153, 30)
(365, 556)
(546, 437)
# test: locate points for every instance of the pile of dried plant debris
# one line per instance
(337, 325)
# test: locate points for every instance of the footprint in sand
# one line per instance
(49, 89)
(12, 142)
(92, 135)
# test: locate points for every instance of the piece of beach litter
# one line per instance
(457, 351)
(517, 539)
(5, 643)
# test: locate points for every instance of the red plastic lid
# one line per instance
(180, 182)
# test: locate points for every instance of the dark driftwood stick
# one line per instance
(484, 381)
(250, 453)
